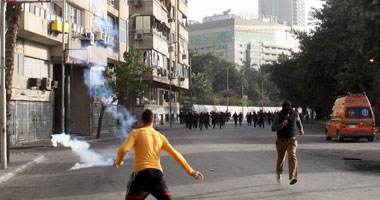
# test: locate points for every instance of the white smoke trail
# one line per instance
(88, 158)
(99, 89)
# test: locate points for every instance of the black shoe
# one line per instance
(293, 181)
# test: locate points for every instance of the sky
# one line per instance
(201, 8)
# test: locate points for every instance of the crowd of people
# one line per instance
(204, 120)
(200, 120)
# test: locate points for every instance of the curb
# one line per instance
(20, 169)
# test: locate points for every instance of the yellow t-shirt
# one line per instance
(148, 144)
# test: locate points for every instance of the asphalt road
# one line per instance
(238, 163)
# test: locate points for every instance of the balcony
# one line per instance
(149, 39)
(154, 7)
(37, 28)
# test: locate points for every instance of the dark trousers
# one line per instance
(145, 182)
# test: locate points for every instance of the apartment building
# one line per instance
(95, 37)
(240, 40)
(159, 29)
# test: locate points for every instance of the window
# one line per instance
(182, 19)
(27, 7)
(19, 64)
(42, 13)
(358, 113)
(73, 15)
(123, 31)
(180, 69)
(35, 68)
(143, 23)
(37, 11)
(57, 10)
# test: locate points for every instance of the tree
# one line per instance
(210, 79)
(12, 19)
(201, 85)
(334, 59)
(128, 79)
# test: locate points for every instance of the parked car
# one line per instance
(351, 117)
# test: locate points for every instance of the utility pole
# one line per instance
(228, 91)
(191, 84)
(62, 106)
(4, 161)
(262, 95)
(242, 98)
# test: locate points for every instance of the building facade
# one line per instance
(288, 12)
(95, 37)
(159, 29)
(243, 40)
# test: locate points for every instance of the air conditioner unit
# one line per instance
(182, 78)
(139, 36)
(34, 82)
(90, 36)
(184, 56)
(165, 72)
(45, 84)
(138, 3)
(100, 36)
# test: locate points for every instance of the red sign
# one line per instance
(245, 97)
(27, 1)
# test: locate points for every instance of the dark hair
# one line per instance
(147, 116)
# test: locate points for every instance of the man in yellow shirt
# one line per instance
(147, 177)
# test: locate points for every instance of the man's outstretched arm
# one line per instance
(181, 160)
(127, 146)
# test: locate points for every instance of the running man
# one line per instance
(147, 177)
(285, 123)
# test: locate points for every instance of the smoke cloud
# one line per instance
(88, 158)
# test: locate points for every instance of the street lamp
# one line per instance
(371, 60)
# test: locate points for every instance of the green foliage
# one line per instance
(130, 78)
(209, 80)
(334, 59)
(216, 100)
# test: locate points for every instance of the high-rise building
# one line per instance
(288, 12)
(241, 40)
(159, 29)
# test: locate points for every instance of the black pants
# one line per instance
(148, 181)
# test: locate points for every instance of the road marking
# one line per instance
(20, 169)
